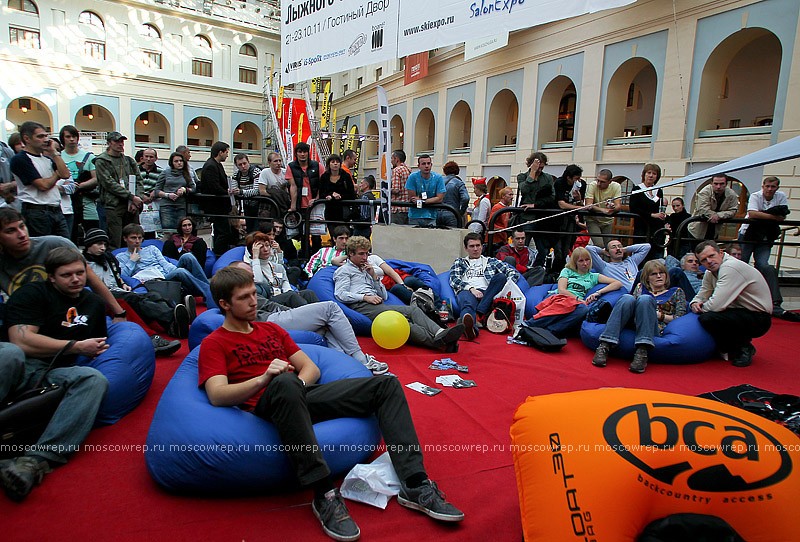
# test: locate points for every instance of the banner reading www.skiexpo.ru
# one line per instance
(321, 37)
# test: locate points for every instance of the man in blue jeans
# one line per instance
(147, 263)
(44, 319)
(475, 280)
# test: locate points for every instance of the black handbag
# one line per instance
(24, 417)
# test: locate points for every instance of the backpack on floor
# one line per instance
(540, 338)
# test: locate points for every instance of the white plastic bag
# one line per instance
(372, 484)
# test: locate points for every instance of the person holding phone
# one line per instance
(38, 167)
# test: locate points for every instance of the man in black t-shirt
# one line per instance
(43, 318)
(570, 193)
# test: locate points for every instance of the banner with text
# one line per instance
(321, 37)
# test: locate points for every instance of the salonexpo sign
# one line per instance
(321, 37)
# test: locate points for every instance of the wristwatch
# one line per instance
(122, 314)
(301, 380)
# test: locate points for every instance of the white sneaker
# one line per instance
(377, 367)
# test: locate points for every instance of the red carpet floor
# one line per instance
(109, 495)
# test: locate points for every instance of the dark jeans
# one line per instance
(150, 306)
(733, 329)
(294, 299)
(469, 303)
(44, 220)
(116, 218)
(224, 235)
(544, 242)
(404, 294)
(74, 416)
(294, 409)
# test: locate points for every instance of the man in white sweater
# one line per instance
(734, 303)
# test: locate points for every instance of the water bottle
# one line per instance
(444, 314)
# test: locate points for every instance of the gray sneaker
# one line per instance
(601, 355)
(335, 519)
(428, 499)
(377, 367)
(164, 347)
(639, 363)
(19, 475)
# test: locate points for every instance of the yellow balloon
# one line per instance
(390, 330)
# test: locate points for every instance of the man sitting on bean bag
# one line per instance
(357, 285)
(323, 317)
(258, 367)
(43, 318)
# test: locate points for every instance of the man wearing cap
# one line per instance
(37, 168)
(114, 173)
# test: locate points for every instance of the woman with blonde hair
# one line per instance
(650, 308)
(567, 307)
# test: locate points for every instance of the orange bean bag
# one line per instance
(600, 465)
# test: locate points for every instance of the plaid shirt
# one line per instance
(399, 177)
(493, 267)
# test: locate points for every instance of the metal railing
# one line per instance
(681, 234)
(490, 248)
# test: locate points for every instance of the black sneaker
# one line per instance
(191, 306)
(164, 347)
(18, 476)
(180, 322)
(744, 357)
(335, 519)
(429, 500)
(446, 337)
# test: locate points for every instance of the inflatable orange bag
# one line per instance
(600, 465)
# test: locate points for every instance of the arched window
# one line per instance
(425, 133)
(94, 46)
(202, 65)
(23, 5)
(149, 31)
(630, 103)
(460, 133)
(503, 120)
(248, 50)
(739, 84)
(202, 42)
(87, 17)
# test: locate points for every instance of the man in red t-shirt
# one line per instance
(257, 366)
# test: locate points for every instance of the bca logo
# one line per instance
(377, 39)
(703, 448)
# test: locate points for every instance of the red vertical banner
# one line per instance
(300, 128)
(416, 67)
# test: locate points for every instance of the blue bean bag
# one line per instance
(322, 285)
(211, 319)
(684, 341)
(422, 271)
(236, 254)
(536, 294)
(446, 291)
(129, 365)
(211, 259)
(194, 446)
